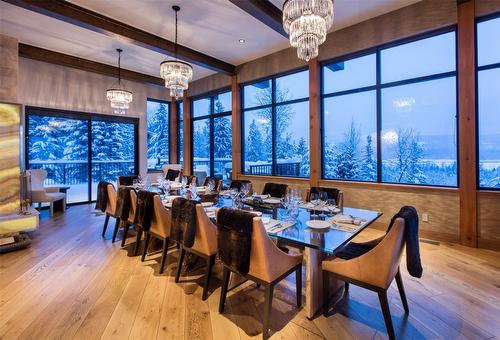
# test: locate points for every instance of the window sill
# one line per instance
(386, 186)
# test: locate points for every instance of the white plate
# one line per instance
(257, 213)
(318, 224)
(168, 205)
(207, 204)
(266, 220)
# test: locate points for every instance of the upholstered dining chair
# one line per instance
(110, 208)
(217, 183)
(238, 183)
(131, 216)
(332, 193)
(205, 246)
(190, 179)
(41, 194)
(275, 190)
(160, 228)
(268, 266)
(374, 270)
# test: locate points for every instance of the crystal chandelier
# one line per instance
(307, 22)
(177, 74)
(119, 97)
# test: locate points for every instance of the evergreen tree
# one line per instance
(158, 141)
(348, 165)
(302, 150)
(254, 145)
(369, 171)
(330, 161)
(222, 137)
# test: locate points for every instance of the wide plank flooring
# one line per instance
(73, 284)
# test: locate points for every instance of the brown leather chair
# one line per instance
(131, 215)
(110, 208)
(205, 246)
(238, 183)
(191, 179)
(160, 228)
(268, 266)
(218, 183)
(374, 270)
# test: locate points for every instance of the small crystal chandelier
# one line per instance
(307, 22)
(119, 97)
(177, 74)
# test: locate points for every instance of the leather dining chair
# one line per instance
(110, 208)
(217, 183)
(277, 190)
(160, 229)
(131, 216)
(374, 270)
(41, 194)
(205, 246)
(268, 266)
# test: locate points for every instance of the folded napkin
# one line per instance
(347, 219)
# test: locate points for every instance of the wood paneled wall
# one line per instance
(9, 61)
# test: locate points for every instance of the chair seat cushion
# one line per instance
(55, 196)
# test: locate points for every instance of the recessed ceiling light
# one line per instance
(241, 41)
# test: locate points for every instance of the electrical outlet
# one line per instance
(425, 217)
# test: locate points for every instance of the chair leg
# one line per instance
(210, 264)
(346, 287)
(164, 254)
(125, 234)
(146, 246)
(137, 241)
(115, 232)
(51, 209)
(384, 303)
(298, 285)
(105, 225)
(223, 293)
(267, 310)
(39, 206)
(402, 293)
(179, 265)
(326, 293)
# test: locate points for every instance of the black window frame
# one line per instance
(180, 120)
(477, 21)
(161, 101)
(273, 106)
(85, 116)
(210, 95)
(378, 87)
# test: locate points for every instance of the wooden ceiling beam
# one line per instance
(265, 12)
(82, 17)
(41, 54)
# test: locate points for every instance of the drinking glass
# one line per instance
(330, 205)
(184, 181)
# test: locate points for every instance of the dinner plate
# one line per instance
(272, 201)
(266, 220)
(207, 204)
(318, 224)
(168, 205)
(258, 213)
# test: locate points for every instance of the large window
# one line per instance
(212, 136)
(488, 80)
(59, 143)
(158, 141)
(276, 126)
(391, 115)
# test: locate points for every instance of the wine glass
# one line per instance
(315, 200)
(330, 205)
(245, 189)
(184, 181)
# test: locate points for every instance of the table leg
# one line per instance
(314, 282)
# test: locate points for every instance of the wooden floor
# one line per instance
(72, 283)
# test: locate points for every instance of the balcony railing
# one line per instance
(291, 169)
(76, 172)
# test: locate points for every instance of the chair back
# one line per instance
(126, 180)
(379, 266)
(111, 205)
(166, 167)
(133, 205)
(238, 183)
(275, 190)
(172, 174)
(38, 177)
(191, 179)
(217, 183)
(161, 220)
(205, 240)
(332, 193)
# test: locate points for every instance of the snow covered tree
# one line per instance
(222, 137)
(329, 161)
(254, 145)
(302, 150)
(348, 165)
(158, 141)
(369, 170)
(408, 157)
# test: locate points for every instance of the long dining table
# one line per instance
(315, 244)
